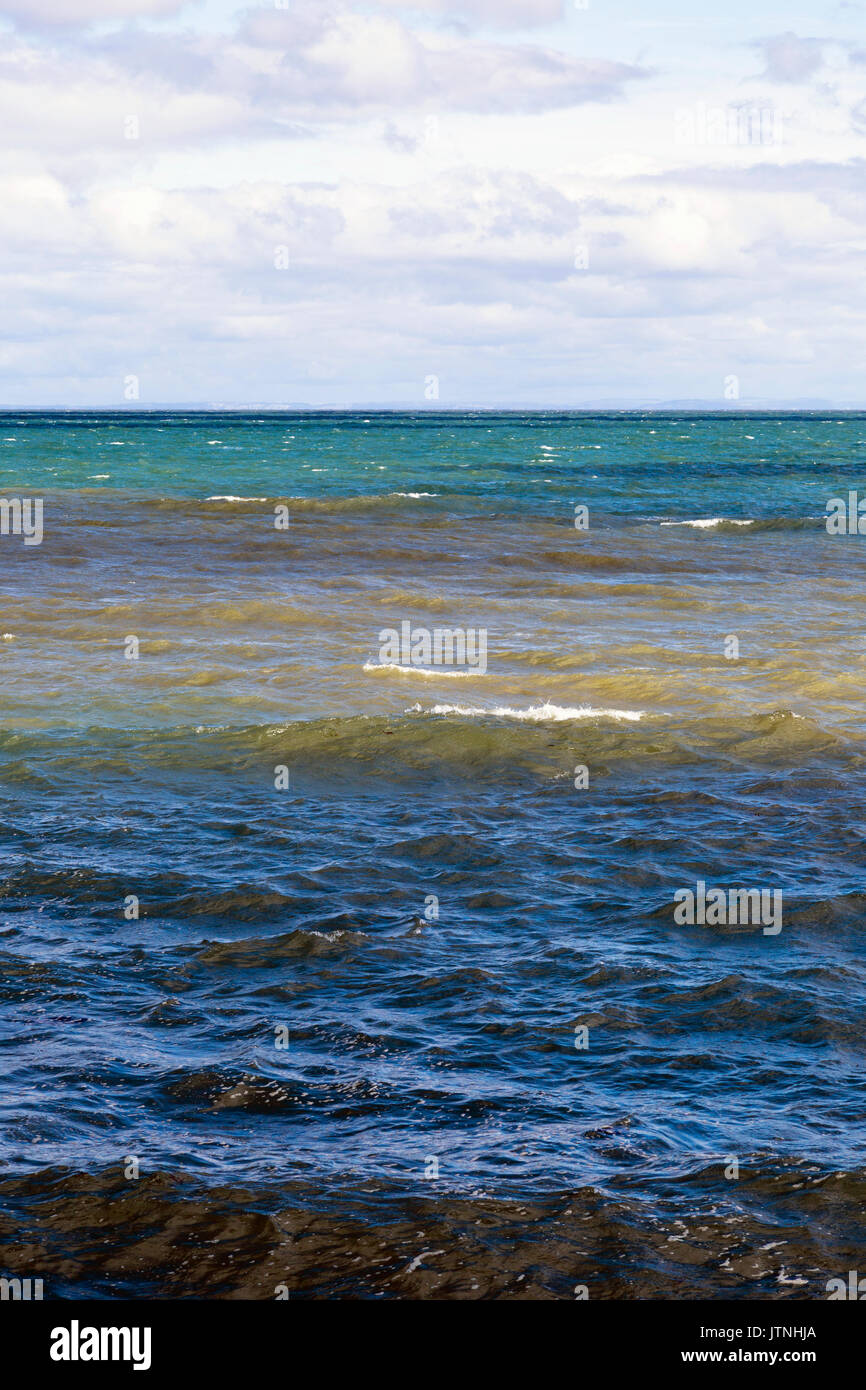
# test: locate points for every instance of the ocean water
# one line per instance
(363, 977)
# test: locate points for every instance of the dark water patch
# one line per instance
(269, 952)
(778, 1233)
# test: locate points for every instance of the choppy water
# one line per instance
(419, 1041)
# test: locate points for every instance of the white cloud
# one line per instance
(790, 58)
(344, 61)
(432, 189)
(91, 105)
(495, 13)
(62, 13)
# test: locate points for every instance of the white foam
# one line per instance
(416, 1263)
(535, 714)
(709, 521)
(429, 671)
(220, 497)
(413, 494)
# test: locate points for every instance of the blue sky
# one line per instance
(526, 201)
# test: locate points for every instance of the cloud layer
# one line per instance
(72, 13)
(332, 202)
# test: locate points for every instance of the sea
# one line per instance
(355, 770)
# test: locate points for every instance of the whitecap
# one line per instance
(703, 522)
(535, 714)
(417, 670)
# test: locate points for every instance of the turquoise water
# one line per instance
(628, 465)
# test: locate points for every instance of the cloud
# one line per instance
(68, 13)
(344, 61)
(503, 14)
(281, 75)
(451, 200)
(79, 113)
(790, 58)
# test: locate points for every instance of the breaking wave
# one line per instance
(536, 714)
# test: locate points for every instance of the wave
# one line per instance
(388, 502)
(542, 740)
(534, 714)
(263, 953)
(732, 523)
(704, 522)
(434, 672)
(680, 1239)
(373, 501)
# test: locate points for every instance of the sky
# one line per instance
(484, 203)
